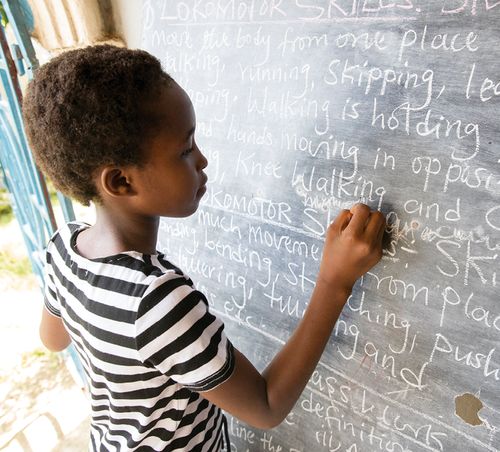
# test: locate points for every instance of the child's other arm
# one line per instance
(52, 332)
(353, 245)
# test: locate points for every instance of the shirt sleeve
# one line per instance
(50, 296)
(177, 334)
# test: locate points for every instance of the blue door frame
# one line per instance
(27, 187)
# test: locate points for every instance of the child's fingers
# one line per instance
(360, 214)
(376, 222)
(381, 231)
(342, 220)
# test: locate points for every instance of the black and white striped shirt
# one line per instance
(148, 344)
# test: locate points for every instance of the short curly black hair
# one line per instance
(91, 107)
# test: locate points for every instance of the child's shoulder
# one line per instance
(142, 268)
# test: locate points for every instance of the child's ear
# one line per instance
(115, 182)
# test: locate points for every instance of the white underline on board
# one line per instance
(262, 220)
(367, 388)
(286, 22)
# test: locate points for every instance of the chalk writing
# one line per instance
(304, 108)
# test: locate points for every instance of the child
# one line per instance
(107, 125)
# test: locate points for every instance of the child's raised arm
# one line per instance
(353, 245)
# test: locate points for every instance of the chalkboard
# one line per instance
(303, 108)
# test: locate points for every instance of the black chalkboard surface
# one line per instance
(305, 107)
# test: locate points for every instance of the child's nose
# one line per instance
(203, 162)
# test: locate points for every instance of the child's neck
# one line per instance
(115, 232)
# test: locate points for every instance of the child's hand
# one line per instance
(353, 245)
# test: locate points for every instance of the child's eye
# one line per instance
(187, 152)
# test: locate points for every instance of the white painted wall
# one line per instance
(128, 18)
(65, 24)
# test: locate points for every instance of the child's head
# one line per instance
(92, 107)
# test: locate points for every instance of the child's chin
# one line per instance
(188, 212)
